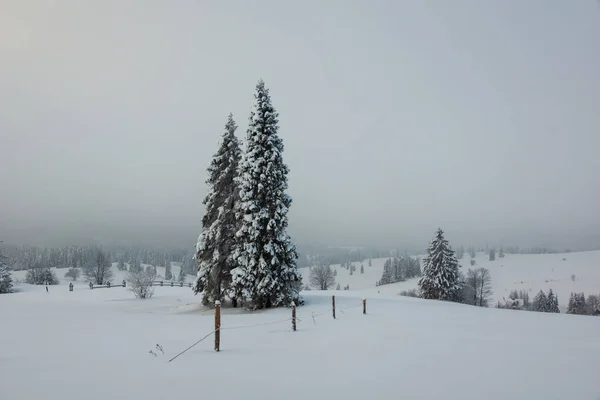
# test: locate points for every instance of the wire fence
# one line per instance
(295, 318)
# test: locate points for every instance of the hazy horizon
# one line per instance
(480, 117)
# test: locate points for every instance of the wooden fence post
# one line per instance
(333, 305)
(364, 305)
(217, 325)
(293, 316)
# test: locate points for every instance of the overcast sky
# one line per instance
(482, 117)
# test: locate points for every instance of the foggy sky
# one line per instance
(397, 117)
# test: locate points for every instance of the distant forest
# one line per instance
(29, 257)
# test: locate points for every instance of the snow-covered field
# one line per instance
(94, 345)
(531, 272)
(118, 276)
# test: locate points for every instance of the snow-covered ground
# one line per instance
(95, 344)
(531, 272)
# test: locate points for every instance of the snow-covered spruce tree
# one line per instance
(267, 273)
(5, 277)
(552, 306)
(216, 243)
(440, 279)
(168, 272)
(540, 302)
(577, 304)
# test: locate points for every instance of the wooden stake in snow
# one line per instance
(333, 305)
(217, 325)
(364, 305)
(293, 316)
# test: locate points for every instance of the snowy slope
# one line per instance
(95, 344)
(531, 272)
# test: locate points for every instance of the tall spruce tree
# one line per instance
(577, 304)
(540, 302)
(552, 303)
(441, 278)
(216, 243)
(267, 273)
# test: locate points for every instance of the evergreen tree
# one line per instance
(396, 270)
(415, 267)
(168, 272)
(370, 263)
(577, 304)
(501, 253)
(267, 274)
(5, 277)
(492, 254)
(387, 275)
(216, 243)
(181, 277)
(121, 265)
(571, 308)
(362, 269)
(440, 279)
(540, 302)
(552, 303)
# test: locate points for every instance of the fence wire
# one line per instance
(313, 316)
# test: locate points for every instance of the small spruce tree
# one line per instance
(5, 277)
(168, 272)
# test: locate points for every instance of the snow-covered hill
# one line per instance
(95, 344)
(531, 272)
